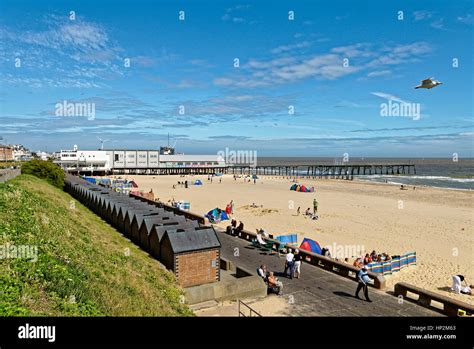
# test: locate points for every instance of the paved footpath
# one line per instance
(318, 292)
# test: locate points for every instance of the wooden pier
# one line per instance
(346, 171)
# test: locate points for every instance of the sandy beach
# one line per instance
(435, 223)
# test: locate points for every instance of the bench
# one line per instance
(451, 307)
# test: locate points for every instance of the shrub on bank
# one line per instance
(47, 170)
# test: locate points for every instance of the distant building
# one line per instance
(191, 161)
(108, 161)
(41, 155)
(90, 161)
(6, 153)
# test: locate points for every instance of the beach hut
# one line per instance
(122, 212)
(193, 256)
(157, 232)
(310, 245)
(129, 216)
(137, 221)
(147, 226)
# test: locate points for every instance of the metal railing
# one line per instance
(252, 312)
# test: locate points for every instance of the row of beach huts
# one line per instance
(183, 244)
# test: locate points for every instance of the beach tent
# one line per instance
(301, 188)
(310, 245)
(133, 184)
(198, 182)
(218, 174)
(215, 217)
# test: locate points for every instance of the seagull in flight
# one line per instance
(429, 83)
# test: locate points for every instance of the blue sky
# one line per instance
(190, 64)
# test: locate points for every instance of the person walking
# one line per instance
(315, 206)
(289, 264)
(363, 281)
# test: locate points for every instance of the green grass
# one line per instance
(84, 267)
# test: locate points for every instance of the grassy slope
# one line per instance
(82, 268)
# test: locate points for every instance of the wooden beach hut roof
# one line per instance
(149, 221)
(195, 240)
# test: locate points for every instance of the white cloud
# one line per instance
(438, 24)
(467, 19)
(323, 66)
(389, 97)
(422, 15)
(292, 47)
(378, 73)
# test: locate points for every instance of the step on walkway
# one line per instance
(318, 292)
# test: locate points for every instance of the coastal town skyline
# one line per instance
(283, 80)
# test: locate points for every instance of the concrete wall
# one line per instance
(238, 288)
(6, 175)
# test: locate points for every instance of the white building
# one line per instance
(109, 160)
(191, 161)
(42, 155)
(84, 160)
(20, 153)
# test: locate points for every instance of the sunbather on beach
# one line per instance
(458, 287)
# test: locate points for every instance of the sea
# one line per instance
(430, 172)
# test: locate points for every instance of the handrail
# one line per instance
(451, 306)
(252, 311)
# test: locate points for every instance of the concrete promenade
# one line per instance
(318, 292)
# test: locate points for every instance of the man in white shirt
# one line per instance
(289, 264)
